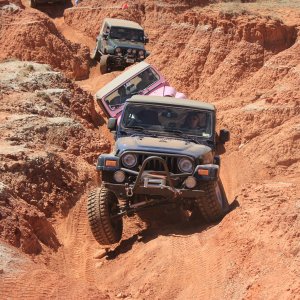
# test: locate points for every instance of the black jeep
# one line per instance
(120, 43)
(165, 153)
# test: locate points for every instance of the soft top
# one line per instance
(119, 80)
(170, 101)
(122, 23)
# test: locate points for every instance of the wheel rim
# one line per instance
(113, 209)
(103, 64)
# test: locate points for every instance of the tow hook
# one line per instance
(128, 190)
(177, 193)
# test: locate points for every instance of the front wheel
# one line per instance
(102, 208)
(213, 205)
(95, 55)
(105, 64)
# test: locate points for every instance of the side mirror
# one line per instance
(224, 136)
(146, 40)
(112, 124)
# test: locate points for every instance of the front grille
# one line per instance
(155, 165)
(124, 53)
(130, 55)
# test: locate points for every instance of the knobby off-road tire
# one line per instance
(102, 204)
(213, 204)
(105, 65)
(95, 55)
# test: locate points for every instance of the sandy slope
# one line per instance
(248, 65)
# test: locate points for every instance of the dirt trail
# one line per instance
(95, 80)
(247, 64)
(73, 35)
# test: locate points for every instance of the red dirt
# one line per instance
(22, 36)
(49, 141)
(244, 58)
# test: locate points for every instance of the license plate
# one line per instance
(130, 60)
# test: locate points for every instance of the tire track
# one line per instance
(75, 259)
(73, 233)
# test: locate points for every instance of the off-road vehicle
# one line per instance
(142, 79)
(34, 3)
(165, 154)
(120, 43)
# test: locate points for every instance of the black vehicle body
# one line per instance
(120, 43)
(166, 163)
(171, 166)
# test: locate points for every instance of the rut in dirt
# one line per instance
(246, 64)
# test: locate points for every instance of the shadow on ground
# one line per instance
(54, 10)
(166, 227)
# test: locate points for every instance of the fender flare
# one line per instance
(169, 91)
(180, 95)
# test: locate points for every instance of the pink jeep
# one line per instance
(142, 79)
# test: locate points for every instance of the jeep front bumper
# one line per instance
(156, 183)
(125, 60)
(127, 190)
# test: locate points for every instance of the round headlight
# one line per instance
(134, 51)
(129, 160)
(129, 50)
(185, 165)
(118, 50)
(190, 182)
(119, 176)
(141, 53)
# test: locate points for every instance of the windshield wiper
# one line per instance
(140, 128)
(145, 134)
(116, 105)
(179, 132)
(193, 140)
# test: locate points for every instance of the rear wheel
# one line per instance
(102, 206)
(213, 205)
(105, 64)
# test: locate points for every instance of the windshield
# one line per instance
(172, 120)
(132, 87)
(128, 34)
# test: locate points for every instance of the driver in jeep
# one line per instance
(147, 78)
(196, 121)
(121, 97)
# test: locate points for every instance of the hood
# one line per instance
(162, 145)
(126, 44)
